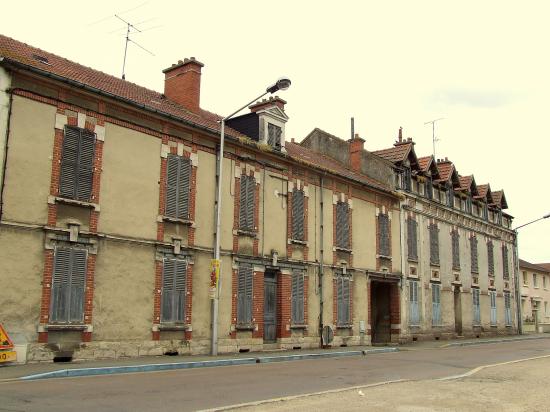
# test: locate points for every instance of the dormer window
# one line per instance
(274, 134)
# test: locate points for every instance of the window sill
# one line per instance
(347, 326)
(434, 264)
(73, 202)
(298, 242)
(413, 259)
(298, 326)
(248, 233)
(342, 249)
(176, 220)
(383, 256)
(244, 327)
(66, 327)
(174, 327)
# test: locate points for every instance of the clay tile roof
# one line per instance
(22, 53)
(395, 154)
(544, 265)
(445, 170)
(465, 182)
(482, 190)
(537, 267)
(424, 162)
(497, 196)
(307, 156)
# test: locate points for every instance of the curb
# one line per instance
(113, 370)
(486, 342)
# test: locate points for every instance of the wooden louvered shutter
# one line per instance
(60, 285)
(297, 298)
(412, 239)
(506, 273)
(78, 284)
(298, 215)
(383, 234)
(434, 244)
(473, 254)
(168, 292)
(340, 299)
(244, 294)
(69, 163)
(86, 165)
(250, 197)
(490, 258)
(171, 206)
(346, 300)
(180, 287)
(342, 225)
(184, 184)
(455, 249)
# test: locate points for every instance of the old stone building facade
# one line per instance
(107, 223)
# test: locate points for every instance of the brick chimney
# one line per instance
(266, 103)
(182, 83)
(355, 151)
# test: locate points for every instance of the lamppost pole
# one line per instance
(516, 267)
(282, 84)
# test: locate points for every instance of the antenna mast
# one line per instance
(129, 26)
(433, 131)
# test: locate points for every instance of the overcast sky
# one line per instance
(482, 65)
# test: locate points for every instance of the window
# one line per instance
(450, 196)
(493, 299)
(244, 294)
(298, 215)
(174, 288)
(406, 182)
(543, 281)
(297, 300)
(178, 184)
(546, 309)
(434, 244)
(342, 225)
(274, 136)
(505, 268)
(476, 309)
(429, 188)
(247, 203)
(490, 258)
(77, 164)
(412, 241)
(384, 248)
(473, 254)
(436, 304)
(535, 281)
(525, 279)
(343, 300)
(507, 309)
(414, 312)
(455, 237)
(68, 285)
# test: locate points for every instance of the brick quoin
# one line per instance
(235, 287)
(89, 296)
(395, 307)
(258, 304)
(369, 305)
(46, 293)
(284, 303)
(189, 302)
(157, 297)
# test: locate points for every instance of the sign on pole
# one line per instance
(214, 277)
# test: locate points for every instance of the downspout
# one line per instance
(517, 286)
(5, 158)
(321, 261)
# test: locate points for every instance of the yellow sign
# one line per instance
(8, 356)
(5, 341)
(214, 277)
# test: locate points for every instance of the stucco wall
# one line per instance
(5, 84)
(273, 213)
(205, 197)
(29, 166)
(129, 194)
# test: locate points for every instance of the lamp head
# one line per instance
(281, 84)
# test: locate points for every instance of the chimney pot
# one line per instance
(400, 135)
(182, 83)
(292, 140)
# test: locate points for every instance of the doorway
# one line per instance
(270, 307)
(458, 310)
(380, 312)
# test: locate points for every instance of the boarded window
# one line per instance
(436, 304)
(343, 300)
(298, 215)
(297, 298)
(412, 239)
(178, 184)
(384, 248)
(490, 258)
(473, 254)
(455, 238)
(505, 268)
(247, 203)
(77, 164)
(414, 308)
(274, 136)
(174, 288)
(68, 285)
(342, 225)
(244, 294)
(434, 244)
(493, 299)
(476, 307)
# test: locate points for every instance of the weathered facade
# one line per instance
(457, 250)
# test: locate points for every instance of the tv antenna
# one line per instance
(129, 28)
(434, 139)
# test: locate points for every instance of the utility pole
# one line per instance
(432, 122)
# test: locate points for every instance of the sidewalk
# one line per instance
(152, 363)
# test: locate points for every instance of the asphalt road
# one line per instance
(195, 389)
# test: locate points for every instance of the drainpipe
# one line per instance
(5, 158)
(321, 262)
(517, 286)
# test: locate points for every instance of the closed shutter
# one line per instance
(247, 197)
(434, 244)
(297, 308)
(184, 186)
(505, 269)
(298, 215)
(413, 301)
(77, 161)
(493, 298)
(475, 298)
(86, 165)
(343, 299)
(178, 183)
(455, 249)
(174, 282)
(342, 225)
(172, 186)
(436, 304)
(490, 258)
(244, 294)
(383, 235)
(473, 254)
(412, 240)
(68, 285)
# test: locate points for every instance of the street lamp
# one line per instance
(516, 256)
(281, 84)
